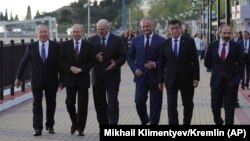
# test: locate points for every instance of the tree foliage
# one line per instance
(28, 16)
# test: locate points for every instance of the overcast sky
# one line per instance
(19, 7)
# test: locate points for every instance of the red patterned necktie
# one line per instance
(147, 45)
(223, 52)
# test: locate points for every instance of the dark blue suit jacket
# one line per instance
(185, 67)
(137, 57)
(232, 69)
(42, 75)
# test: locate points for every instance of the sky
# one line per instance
(19, 7)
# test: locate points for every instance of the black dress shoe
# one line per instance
(73, 129)
(37, 133)
(81, 133)
(51, 130)
(237, 105)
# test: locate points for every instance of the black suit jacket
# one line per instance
(114, 50)
(85, 61)
(232, 69)
(42, 75)
(185, 67)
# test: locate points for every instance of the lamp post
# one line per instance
(123, 15)
(87, 5)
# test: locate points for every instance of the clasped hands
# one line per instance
(99, 58)
(75, 70)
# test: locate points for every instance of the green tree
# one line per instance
(16, 18)
(28, 16)
(1, 17)
(6, 15)
(11, 17)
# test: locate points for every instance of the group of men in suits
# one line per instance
(153, 61)
(173, 61)
(70, 64)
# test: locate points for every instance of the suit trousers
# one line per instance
(141, 96)
(225, 93)
(106, 102)
(79, 117)
(187, 94)
(245, 80)
(50, 97)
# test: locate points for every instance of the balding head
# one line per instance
(42, 32)
(225, 32)
(77, 31)
(102, 27)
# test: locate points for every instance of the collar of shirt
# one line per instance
(46, 46)
(106, 37)
(79, 43)
(178, 41)
(221, 45)
(150, 38)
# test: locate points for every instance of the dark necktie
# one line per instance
(147, 45)
(43, 53)
(76, 49)
(103, 42)
(223, 53)
(245, 45)
(175, 49)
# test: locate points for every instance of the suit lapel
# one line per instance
(217, 46)
(37, 52)
(182, 43)
(50, 50)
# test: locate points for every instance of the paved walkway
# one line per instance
(16, 122)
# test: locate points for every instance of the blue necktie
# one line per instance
(43, 54)
(175, 49)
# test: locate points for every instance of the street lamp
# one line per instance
(123, 15)
(194, 3)
(87, 5)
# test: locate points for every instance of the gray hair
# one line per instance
(41, 25)
(104, 22)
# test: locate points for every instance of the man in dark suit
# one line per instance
(244, 43)
(225, 58)
(106, 74)
(77, 58)
(179, 66)
(143, 59)
(43, 55)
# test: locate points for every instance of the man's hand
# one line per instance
(61, 86)
(17, 83)
(195, 83)
(75, 70)
(138, 73)
(149, 65)
(99, 57)
(160, 86)
(111, 66)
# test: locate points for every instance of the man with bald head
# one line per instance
(110, 55)
(43, 56)
(76, 59)
(225, 58)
